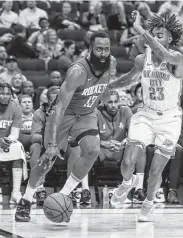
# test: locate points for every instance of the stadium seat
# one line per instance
(38, 80)
(124, 65)
(31, 64)
(76, 35)
(57, 65)
(118, 51)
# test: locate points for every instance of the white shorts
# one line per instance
(15, 152)
(147, 127)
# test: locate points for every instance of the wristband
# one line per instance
(52, 145)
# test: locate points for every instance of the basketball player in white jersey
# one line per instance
(159, 121)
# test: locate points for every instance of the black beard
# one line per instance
(97, 64)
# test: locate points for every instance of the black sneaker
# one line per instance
(173, 197)
(139, 196)
(85, 197)
(23, 211)
(40, 197)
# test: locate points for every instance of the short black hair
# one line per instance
(68, 43)
(113, 92)
(7, 85)
(42, 18)
(168, 22)
(18, 28)
(139, 85)
(99, 34)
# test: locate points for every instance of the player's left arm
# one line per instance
(174, 58)
(16, 124)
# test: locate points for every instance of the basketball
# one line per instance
(58, 207)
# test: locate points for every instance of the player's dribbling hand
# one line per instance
(5, 143)
(49, 156)
(137, 23)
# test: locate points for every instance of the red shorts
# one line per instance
(75, 126)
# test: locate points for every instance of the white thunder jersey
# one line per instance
(161, 89)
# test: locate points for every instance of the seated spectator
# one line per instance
(8, 17)
(138, 98)
(11, 70)
(11, 150)
(113, 124)
(66, 19)
(40, 97)
(55, 79)
(68, 56)
(51, 49)
(27, 117)
(19, 46)
(117, 19)
(39, 37)
(28, 88)
(94, 19)
(29, 17)
(38, 126)
(3, 57)
(17, 82)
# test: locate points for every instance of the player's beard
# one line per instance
(3, 106)
(97, 64)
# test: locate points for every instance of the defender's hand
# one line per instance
(50, 155)
(137, 23)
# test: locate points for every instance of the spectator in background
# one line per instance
(51, 49)
(85, 51)
(27, 117)
(39, 37)
(55, 79)
(11, 69)
(17, 82)
(38, 127)
(40, 97)
(94, 19)
(138, 98)
(123, 99)
(7, 16)
(68, 56)
(29, 17)
(28, 88)
(171, 7)
(3, 57)
(66, 19)
(117, 19)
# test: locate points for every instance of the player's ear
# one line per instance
(170, 39)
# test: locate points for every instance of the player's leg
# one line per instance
(74, 153)
(35, 152)
(167, 135)
(17, 171)
(134, 150)
(38, 173)
(90, 148)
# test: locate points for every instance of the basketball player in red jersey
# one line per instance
(159, 120)
(74, 115)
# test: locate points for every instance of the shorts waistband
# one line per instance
(160, 113)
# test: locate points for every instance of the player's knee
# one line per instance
(17, 163)
(91, 147)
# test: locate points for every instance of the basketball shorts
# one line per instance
(15, 152)
(75, 126)
(147, 127)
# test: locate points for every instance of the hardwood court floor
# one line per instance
(96, 222)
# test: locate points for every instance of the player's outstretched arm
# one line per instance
(131, 76)
(75, 77)
(174, 58)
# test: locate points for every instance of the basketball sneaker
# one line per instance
(85, 197)
(40, 197)
(122, 191)
(146, 212)
(22, 213)
(15, 197)
(139, 196)
(173, 197)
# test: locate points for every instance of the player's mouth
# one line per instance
(102, 60)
